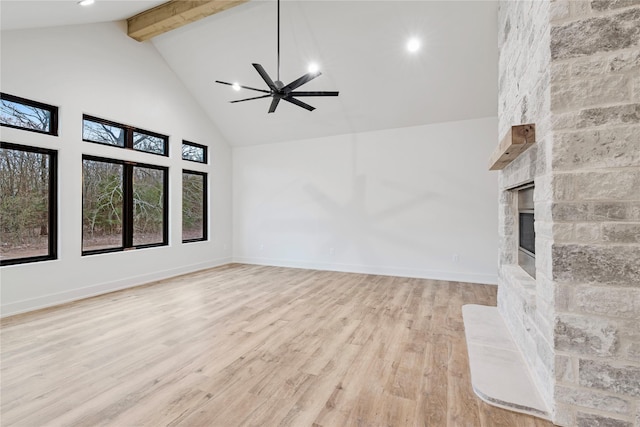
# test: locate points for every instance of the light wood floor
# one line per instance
(251, 346)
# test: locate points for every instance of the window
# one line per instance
(149, 190)
(151, 143)
(28, 227)
(103, 132)
(102, 205)
(124, 205)
(194, 206)
(194, 152)
(29, 115)
(110, 133)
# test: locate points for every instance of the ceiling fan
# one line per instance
(278, 90)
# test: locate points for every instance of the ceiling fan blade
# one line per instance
(260, 69)
(244, 87)
(249, 99)
(274, 104)
(316, 93)
(302, 80)
(300, 104)
(253, 88)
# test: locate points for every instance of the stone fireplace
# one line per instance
(573, 69)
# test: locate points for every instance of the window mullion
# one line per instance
(129, 138)
(127, 224)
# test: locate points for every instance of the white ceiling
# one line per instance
(358, 44)
(17, 14)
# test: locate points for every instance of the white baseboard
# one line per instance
(51, 300)
(452, 276)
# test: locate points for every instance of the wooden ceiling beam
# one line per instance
(174, 14)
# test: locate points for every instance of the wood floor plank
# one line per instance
(245, 345)
(311, 402)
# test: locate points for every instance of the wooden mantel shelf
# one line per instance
(517, 140)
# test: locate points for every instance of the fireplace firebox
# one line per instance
(526, 231)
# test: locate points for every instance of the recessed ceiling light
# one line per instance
(86, 2)
(236, 86)
(313, 68)
(413, 45)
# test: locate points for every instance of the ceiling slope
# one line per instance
(21, 14)
(360, 46)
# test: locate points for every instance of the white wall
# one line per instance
(391, 202)
(399, 202)
(96, 69)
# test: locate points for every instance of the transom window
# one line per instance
(111, 133)
(21, 113)
(28, 227)
(194, 152)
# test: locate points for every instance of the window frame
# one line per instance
(53, 110)
(128, 135)
(53, 204)
(128, 208)
(205, 207)
(193, 144)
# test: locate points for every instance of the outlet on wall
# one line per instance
(332, 251)
(456, 258)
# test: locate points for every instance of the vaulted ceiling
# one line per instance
(359, 45)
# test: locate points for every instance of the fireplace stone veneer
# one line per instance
(573, 69)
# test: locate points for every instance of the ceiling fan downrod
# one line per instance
(278, 41)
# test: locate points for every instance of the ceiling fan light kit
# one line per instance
(278, 90)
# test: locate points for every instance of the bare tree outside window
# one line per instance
(194, 206)
(148, 205)
(26, 213)
(103, 133)
(194, 152)
(24, 116)
(28, 115)
(102, 205)
(124, 205)
(148, 143)
(106, 132)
